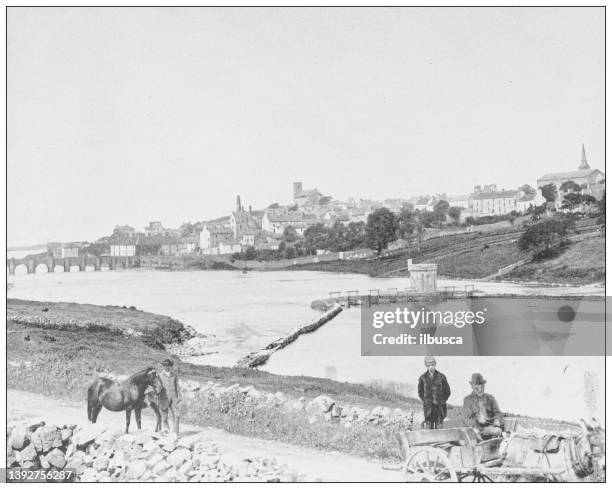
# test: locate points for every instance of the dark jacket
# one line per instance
(434, 391)
(471, 410)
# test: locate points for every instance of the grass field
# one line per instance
(582, 262)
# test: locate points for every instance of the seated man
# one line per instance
(480, 410)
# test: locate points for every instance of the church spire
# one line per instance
(584, 165)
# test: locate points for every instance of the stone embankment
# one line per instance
(97, 454)
(255, 359)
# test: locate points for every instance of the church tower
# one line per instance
(238, 205)
(584, 165)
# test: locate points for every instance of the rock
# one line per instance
(190, 441)
(185, 467)
(154, 458)
(76, 463)
(178, 456)
(323, 403)
(281, 398)
(44, 463)
(19, 437)
(88, 434)
(66, 433)
(169, 442)
(47, 437)
(90, 475)
(56, 458)
(247, 389)
(160, 467)
(26, 454)
(255, 395)
(101, 463)
(136, 469)
(126, 439)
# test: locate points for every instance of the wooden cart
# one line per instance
(457, 455)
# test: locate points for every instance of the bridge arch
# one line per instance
(21, 269)
(41, 268)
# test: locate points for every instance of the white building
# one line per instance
(123, 247)
(527, 201)
(494, 203)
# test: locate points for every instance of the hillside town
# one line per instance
(250, 231)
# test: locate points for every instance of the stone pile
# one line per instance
(36, 446)
(96, 454)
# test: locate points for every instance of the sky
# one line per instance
(129, 115)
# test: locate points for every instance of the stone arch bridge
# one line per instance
(110, 262)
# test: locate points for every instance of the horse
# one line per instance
(131, 394)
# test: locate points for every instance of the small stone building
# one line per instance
(423, 276)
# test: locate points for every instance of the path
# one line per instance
(329, 466)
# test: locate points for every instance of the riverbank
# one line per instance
(60, 362)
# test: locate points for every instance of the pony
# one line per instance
(131, 394)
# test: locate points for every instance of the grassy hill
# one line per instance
(582, 262)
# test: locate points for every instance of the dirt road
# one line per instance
(328, 466)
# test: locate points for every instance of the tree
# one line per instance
(187, 229)
(573, 200)
(289, 252)
(290, 234)
(546, 237)
(528, 189)
(406, 222)
(455, 213)
(440, 210)
(512, 217)
(355, 235)
(602, 210)
(381, 229)
(570, 186)
(316, 238)
(250, 253)
(549, 192)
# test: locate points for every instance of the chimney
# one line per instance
(238, 206)
(250, 210)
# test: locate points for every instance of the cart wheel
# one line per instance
(429, 464)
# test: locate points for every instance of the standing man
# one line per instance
(480, 410)
(434, 391)
(170, 396)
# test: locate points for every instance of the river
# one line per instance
(244, 312)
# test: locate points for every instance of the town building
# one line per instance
(213, 235)
(303, 198)
(425, 203)
(276, 221)
(591, 181)
(63, 250)
(124, 230)
(124, 246)
(529, 201)
(461, 201)
(489, 201)
(244, 222)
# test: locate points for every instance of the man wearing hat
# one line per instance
(170, 396)
(434, 391)
(480, 410)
